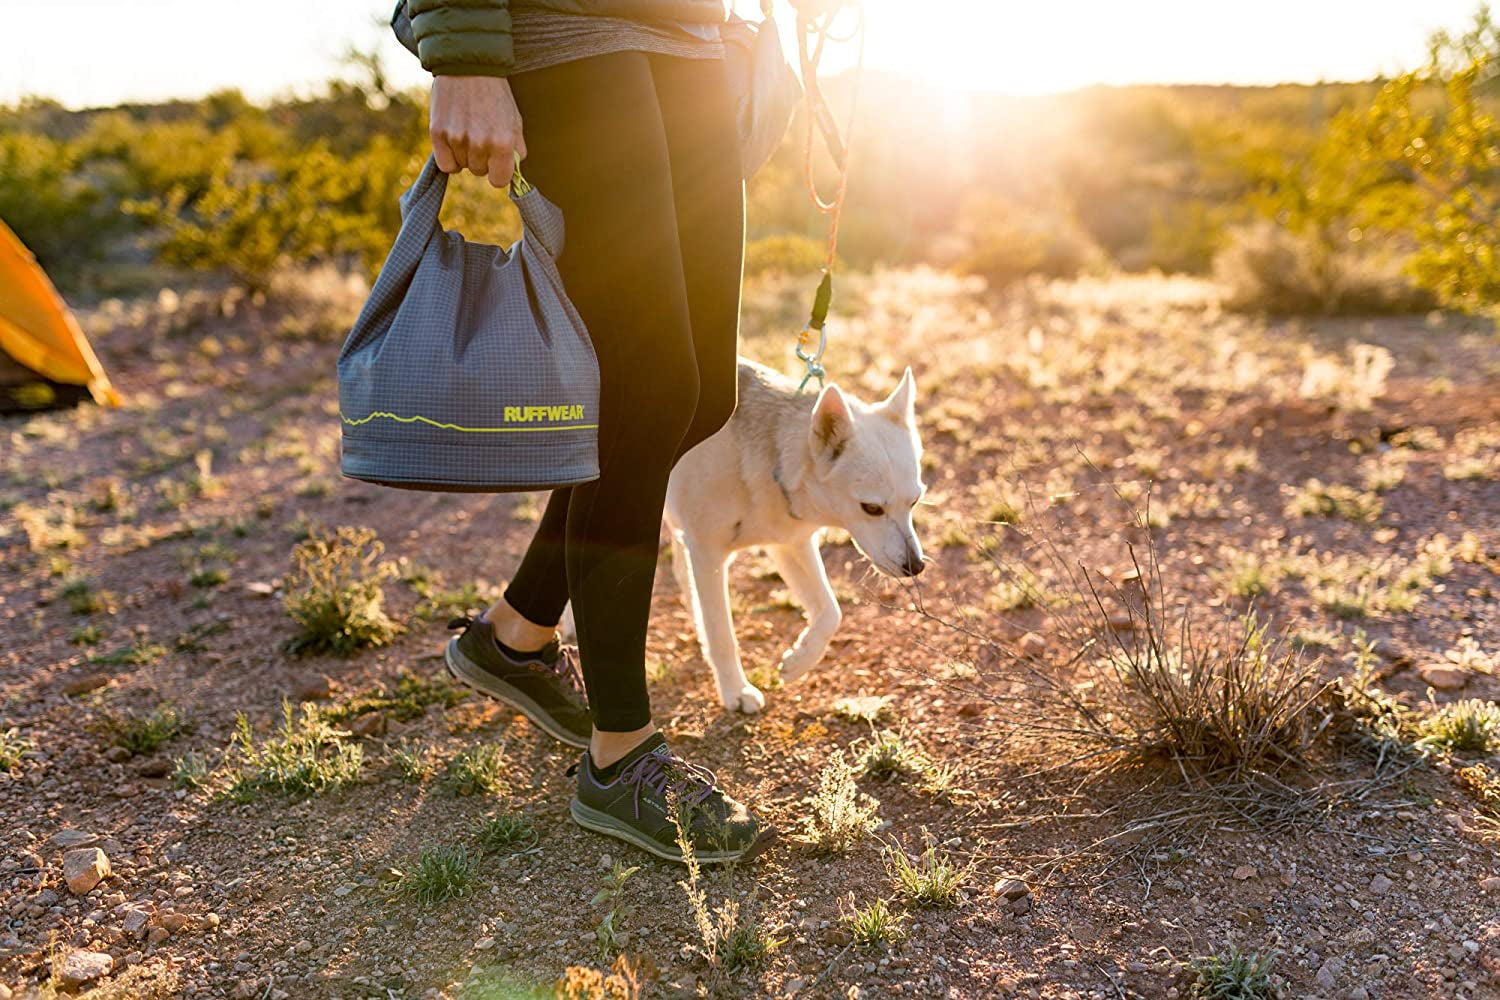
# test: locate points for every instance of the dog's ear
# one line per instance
(901, 404)
(832, 425)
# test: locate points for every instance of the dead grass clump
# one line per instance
(334, 593)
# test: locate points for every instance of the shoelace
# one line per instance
(565, 664)
(669, 776)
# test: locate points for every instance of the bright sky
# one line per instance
(95, 52)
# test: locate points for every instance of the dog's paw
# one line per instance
(750, 700)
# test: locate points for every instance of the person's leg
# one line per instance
(598, 151)
(709, 192)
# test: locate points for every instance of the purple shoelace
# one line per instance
(669, 776)
(565, 666)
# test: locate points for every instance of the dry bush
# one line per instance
(1266, 268)
(1193, 702)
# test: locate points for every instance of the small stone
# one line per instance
(318, 688)
(85, 868)
(1244, 872)
(1020, 907)
(794, 985)
(117, 755)
(1011, 888)
(484, 944)
(183, 891)
(156, 767)
(344, 889)
(1380, 885)
(260, 588)
(1491, 884)
(1328, 973)
(136, 919)
(303, 947)
(391, 875)
(369, 724)
(1358, 993)
(1033, 644)
(85, 684)
(173, 922)
(69, 838)
(1444, 676)
(79, 968)
(157, 935)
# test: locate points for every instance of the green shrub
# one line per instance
(1231, 976)
(477, 771)
(1009, 242)
(334, 593)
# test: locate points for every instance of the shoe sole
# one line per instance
(466, 672)
(602, 822)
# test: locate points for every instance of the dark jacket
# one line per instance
(472, 37)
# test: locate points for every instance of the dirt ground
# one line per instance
(144, 551)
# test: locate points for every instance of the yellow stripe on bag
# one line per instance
(418, 419)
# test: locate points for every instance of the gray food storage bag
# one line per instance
(468, 369)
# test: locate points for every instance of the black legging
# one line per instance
(641, 154)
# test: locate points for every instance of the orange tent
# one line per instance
(45, 360)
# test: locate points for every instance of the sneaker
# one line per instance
(546, 686)
(634, 807)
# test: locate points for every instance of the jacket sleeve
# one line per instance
(462, 37)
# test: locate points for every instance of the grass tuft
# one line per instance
(441, 874)
(506, 834)
(142, 734)
(476, 771)
(1468, 726)
(13, 748)
(334, 593)
(308, 756)
(1231, 976)
(876, 924)
(931, 880)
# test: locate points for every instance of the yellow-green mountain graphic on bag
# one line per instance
(565, 417)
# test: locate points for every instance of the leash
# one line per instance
(815, 19)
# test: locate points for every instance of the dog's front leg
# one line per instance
(801, 566)
(709, 570)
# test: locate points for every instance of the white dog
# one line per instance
(785, 466)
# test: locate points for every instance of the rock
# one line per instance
(157, 935)
(1358, 993)
(136, 919)
(85, 684)
(794, 985)
(5, 993)
(173, 922)
(1444, 676)
(260, 588)
(1033, 644)
(318, 688)
(1020, 907)
(117, 755)
(1491, 884)
(1328, 973)
(391, 875)
(1011, 888)
(484, 944)
(303, 947)
(1380, 885)
(78, 968)
(369, 724)
(85, 868)
(1244, 872)
(157, 767)
(68, 838)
